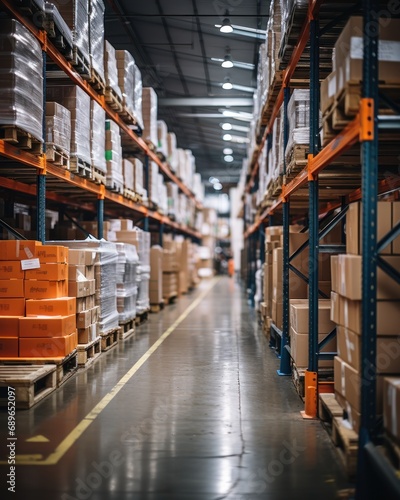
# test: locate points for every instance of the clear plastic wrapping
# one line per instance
(126, 78)
(106, 278)
(53, 14)
(110, 69)
(139, 186)
(97, 137)
(149, 111)
(162, 132)
(76, 14)
(96, 36)
(78, 102)
(128, 173)
(298, 119)
(127, 289)
(153, 182)
(21, 79)
(113, 153)
(162, 194)
(58, 127)
(138, 100)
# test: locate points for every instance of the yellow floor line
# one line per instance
(75, 434)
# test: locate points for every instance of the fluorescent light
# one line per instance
(227, 137)
(217, 186)
(226, 26)
(226, 126)
(227, 84)
(228, 158)
(213, 180)
(228, 151)
(227, 62)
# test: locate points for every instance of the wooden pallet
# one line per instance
(30, 383)
(113, 100)
(98, 176)
(57, 38)
(21, 139)
(109, 339)
(56, 155)
(80, 167)
(273, 92)
(141, 317)
(127, 328)
(127, 115)
(343, 437)
(97, 82)
(88, 353)
(297, 159)
(170, 300)
(131, 195)
(114, 185)
(81, 64)
(298, 377)
(156, 308)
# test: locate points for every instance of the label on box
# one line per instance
(30, 264)
(388, 50)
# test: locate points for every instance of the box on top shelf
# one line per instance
(162, 134)
(97, 137)
(63, 306)
(58, 127)
(110, 70)
(96, 37)
(149, 111)
(12, 306)
(126, 78)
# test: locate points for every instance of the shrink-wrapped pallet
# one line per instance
(21, 79)
(127, 289)
(115, 178)
(97, 137)
(110, 70)
(137, 96)
(58, 127)
(126, 78)
(96, 37)
(149, 112)
(128, 171)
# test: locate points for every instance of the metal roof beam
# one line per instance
(205, 101)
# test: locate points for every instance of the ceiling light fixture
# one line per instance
(227, 137)
(226, 126)
(217, 186)
(227, 85)
(213, 180)
(228, 158)
(226, 26)
(227, 62)
(228, 151)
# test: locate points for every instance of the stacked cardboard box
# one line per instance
(170, 271)
(153, 183)
(156, 275)
(58, 128)
(272, 241)
(111, 71)
(172, 152)
(127, 289)
(391, 409)
(82, 285)
(346, 310)
(149, 111)
(128, 172)
(96, 37)
(126, 82)
(97, 138)
(162, 133)
(115, 178)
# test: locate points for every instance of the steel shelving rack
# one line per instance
(362, 133)
(34, 173)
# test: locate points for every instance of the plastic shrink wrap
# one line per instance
(126, 78)
(96, 36)
(21, 80)
(127, 289)
(97, 137)
(110, 69)
(58, 127)
(53, 15)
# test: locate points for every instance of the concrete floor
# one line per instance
(204, 417)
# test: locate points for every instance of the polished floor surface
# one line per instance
(189, 408)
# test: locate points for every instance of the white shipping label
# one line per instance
(388, 50)
(30, 264)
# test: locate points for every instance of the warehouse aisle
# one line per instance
(202, 416)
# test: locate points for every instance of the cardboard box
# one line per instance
(335, 307)
(277, 313)
(352, 415)
(82, 288)
(35, 289)
(156, 275)
(48, 272)
(53, 254)
(19, 249)
(328, 91)
(350, 278)
(87, 334)
(9, 347)
(354, 226)
(299, 349)
(84, 319)
(387, 316)
(9, 326)
(387, 351)
(81, 304)
(41, 347)
(75, 271)
(391, 406)
(11, 269)
(12, 288)
(76, 257)
(299, 316)
(47, 326)
(334, 273)
(12, 307)
(63, 306)
(396, 220)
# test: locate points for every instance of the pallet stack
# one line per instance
(58, 134)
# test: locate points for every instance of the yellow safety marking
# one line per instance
(76, 433)
(37, 439)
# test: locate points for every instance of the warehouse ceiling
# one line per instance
(179, 51)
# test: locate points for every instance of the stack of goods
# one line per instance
(138, 178)
(172, 153)
(58, 133)
(128, 172)
(115, 178)
(273, 38)
(97, 141)
(96, 38)
(105, 272)
(172, 197)
(156, 275)
(198, 187)
(293, 15)
(76, 14)
(77, 102)
(126, 79)
(137, 96)
(162, 134)
(170, 271)
(127, 290)
(347, 309)
(113, 92)
(162, 195)
(21, 79)
(37, 316)
(262, 175)
(262, 80)
(153, 183)
(149, 112)
(82, 285)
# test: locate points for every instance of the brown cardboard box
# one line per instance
(387, 348)
(11, 269)
(277, 313)
(88, 334)
(354, 226)
(9, 326)
(12, 307)
(388, 316)
(299, 349)
(63, 306)
(391, 406)
(328, 91)
(335, 307)
(334, 273)
(156, 275)
(84, 319)
(299, 316)
(350, 278)
(9, 347)
(12, 288)
(47, 326)
(353, 416)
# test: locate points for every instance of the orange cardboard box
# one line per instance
(12, 288)
(53, 254)
(12, 307)
(48, 272)
(11, 269)
(47, 326)
(9, 326)
(8, 347)
(63, 306)
(18, 249)
(73, 341)
(56, 347)
(36, 289)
